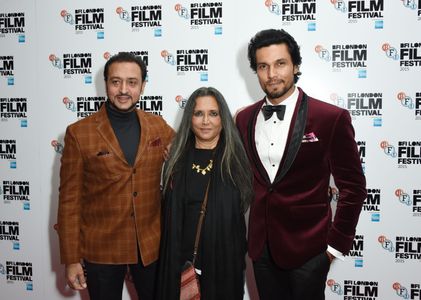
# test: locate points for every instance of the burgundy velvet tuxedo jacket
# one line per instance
(107, 208)
(293, 214)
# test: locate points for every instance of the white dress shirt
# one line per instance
(271, 137)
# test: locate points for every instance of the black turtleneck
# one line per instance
(126, 127)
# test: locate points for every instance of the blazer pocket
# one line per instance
(155, 142)
(104, 166)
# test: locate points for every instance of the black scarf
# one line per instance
(223, 240)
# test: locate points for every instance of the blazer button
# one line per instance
(270, 190)
(134, 194)
(134, 171)
(132, 215)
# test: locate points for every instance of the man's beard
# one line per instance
(277, 93)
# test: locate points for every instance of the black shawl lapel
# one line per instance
(296, 138)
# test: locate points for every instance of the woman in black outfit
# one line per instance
(207, 147)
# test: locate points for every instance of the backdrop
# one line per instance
(363, 55)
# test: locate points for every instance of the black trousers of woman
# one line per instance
(307, 282)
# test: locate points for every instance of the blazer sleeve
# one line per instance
(70, 193)
(169, 134)
(350, 180)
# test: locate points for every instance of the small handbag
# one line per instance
(189, 286)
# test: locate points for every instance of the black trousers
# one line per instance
(307, 282)
(105, 282)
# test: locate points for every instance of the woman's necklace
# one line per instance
(204, 170)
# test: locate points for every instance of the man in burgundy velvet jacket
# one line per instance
(295, 143)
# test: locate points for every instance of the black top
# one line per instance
(126, 127)
(223, 240)
(192, 204)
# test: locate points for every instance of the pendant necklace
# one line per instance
(204, 170)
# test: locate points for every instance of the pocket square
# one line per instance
(309, 138)
(155, 143)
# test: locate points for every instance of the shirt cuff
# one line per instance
(335, 253)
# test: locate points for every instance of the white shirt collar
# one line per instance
(291, 100)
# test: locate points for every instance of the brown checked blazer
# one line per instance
(107, 208)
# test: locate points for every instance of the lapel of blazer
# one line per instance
(252, 143)
(107, 133)
(144, 134)
(296, 138)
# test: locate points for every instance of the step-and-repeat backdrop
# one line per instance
(363, 55)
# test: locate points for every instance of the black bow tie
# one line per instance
(268, 111)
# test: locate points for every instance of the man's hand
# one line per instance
(75, 277)
(330, 255)
(166, 153)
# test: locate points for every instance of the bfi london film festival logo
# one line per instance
(408, 153)
(345, 57)
(8, 152)
(142, 54)
(411, 104)
(7, 68)
(335, 287)
(362, 105)
(74, 64)
(84, 106)
(413, 202)
(361, 145)
(372, 204)
(85, 20)
(14, 109)
(189, 61)
(142, 17)
(354, 289)
(357, 251)
(13, 24)
(201, 15)
(405, 248)
(294, 11)
(402, 291)
(361, 10)
(151, 103)
(16, 191)
(18, 271)
(414, 5)
(408, 54)
(57, 146)
(9, 232)
(181, 101)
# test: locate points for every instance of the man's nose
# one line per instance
(123, 87)
(271, 72)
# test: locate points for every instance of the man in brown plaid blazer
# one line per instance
(109, 201)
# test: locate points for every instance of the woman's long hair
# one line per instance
(234, 162)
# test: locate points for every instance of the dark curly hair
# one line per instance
(126, 57)
(269, 37)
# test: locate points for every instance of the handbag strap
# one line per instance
(200, 223)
